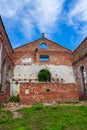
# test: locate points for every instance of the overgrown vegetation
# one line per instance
(14, 98)
(46, 118)
(44, 76)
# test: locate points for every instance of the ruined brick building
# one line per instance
(42, 71)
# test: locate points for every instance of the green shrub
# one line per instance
(37, 107)
(14, 98)
(44, 76)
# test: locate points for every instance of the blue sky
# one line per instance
(62, 21)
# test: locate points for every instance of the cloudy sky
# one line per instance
(62, 21)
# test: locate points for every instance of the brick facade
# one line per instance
(33, 50)
(5, 96)
(31, 93)
(6, 55)
(22, 65)
(6, 64)
(80, 60)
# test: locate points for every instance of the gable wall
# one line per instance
(27, 64)
(55, 52)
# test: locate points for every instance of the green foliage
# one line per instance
(44, 76)
(39, 117)
(37, 107)
(5, 116)
(23, 128)
(14, 98)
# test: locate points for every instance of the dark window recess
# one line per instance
(83, 77)
(29, 80)
(44, 58)
(47, 90)
(16, 82)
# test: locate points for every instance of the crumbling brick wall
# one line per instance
(58, 54)
(5, 96)
(27, 63)
(80, 60)
(31, 93)
(6, 54)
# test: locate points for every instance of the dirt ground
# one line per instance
(15, 106)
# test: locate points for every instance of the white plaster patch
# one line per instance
(15, 89)
(31, 73)
(57, 72)
(26, 91)
(27, 60)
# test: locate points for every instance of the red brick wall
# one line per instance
(4, 97)
(80, 51)
(76, 67)
(6, 55)
(6, 45)
(80, 59)
(48, 92)
(58, 55)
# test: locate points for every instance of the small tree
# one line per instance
(44, 76)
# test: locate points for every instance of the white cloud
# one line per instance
(10, 8)
(46, 13)
(40, 14)
(79, 11)
(27, 28)
(78, 16)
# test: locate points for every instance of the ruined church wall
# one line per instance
(27, 63)
(31, 93)
(78, 75)
(25, 74)
(80, 60)
(5, 96)
(0, 63)
(6, 53)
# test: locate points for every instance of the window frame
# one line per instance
(44, 58)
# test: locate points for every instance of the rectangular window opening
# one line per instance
(44, 58)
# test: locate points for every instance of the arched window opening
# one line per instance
(3, 75)
(44, 76)
(9, 73)
(83, 75)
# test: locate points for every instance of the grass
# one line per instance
(46, 118)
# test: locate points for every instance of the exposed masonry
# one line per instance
(19, 69)
(30, 74)
(0, 64)
(57, 72)
(47, 92)
(26, 60)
